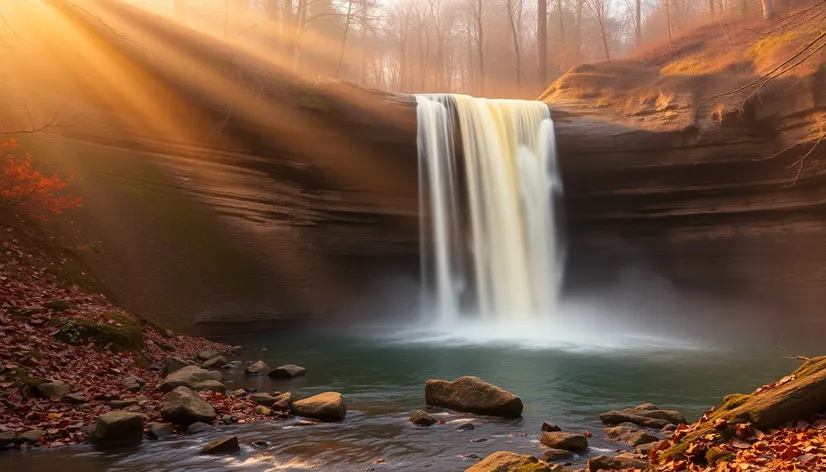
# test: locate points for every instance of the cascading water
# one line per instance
(489, 245)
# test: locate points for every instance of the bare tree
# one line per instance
(542, 42)
(599, 10)
(514, 11)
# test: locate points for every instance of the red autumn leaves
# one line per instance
(22, 187)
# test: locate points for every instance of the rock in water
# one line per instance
(283, 402)
(644, 415)
(552, 455)
(52, 387)
(257, 368)
(509, 462)
(630, 436)
(549, 427)
(188, 377)
(224, 445)
(262, 410)
(183, 406)
(327, 406)
(159, 430)
(466, 427)
(31, 436)
(211, 385)
(7, 438)
(206, 354)
(118, 427)
(262, 399)
(287, 371)
(172, 364)
(198, 427)
(420, 418)
(565, 441)
(472, 395)
(214, 363)
(615, 463)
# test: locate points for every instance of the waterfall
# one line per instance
(489, 247)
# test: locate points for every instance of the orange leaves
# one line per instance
(772, 385)
(23, 187)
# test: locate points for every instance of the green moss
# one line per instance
(716, 455)
(811, 366)
(123, 333)
(768, 44)
(733, 401)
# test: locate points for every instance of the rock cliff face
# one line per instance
(664, 166)
(299, 202)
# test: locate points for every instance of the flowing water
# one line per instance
(382, 379)
(488, 236)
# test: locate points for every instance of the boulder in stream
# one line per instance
(565, 441)
(630, 436)
(420, 418)
(327, 406)
(188, 377)
(7, 438)
(472, 395)
(215, 363)
(224, 445)
(646, 415)
(509, 462)
(183, 406)
(283, 402)
(287, 371)
(257, 368)
(211, 385)
(118, 427)
(264, 399)
(159, 430)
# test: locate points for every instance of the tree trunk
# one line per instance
(344, 38)
(711, 8)
(542, 42)
(288, 31)
(579, 6)
(768, 9)
(516, 50)
(638, 22)
(668, 18)
(480, 50)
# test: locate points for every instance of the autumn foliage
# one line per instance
(25, 188)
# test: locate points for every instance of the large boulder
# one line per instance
(224, 445)
(51, 388)
(646, 415)
(174, 363)
(327, 406)
(630, 436)
(615, 463)
(509, 462)
(287, 371)
(188, 377)
(472, 395)
(257, 368)
(118, 427)
(183, 406)
(420, 418)
(31, 436)
(565, 441)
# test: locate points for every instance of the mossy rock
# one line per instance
(715, 455)
(59, 305)
(793, 400)
(124, 334)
